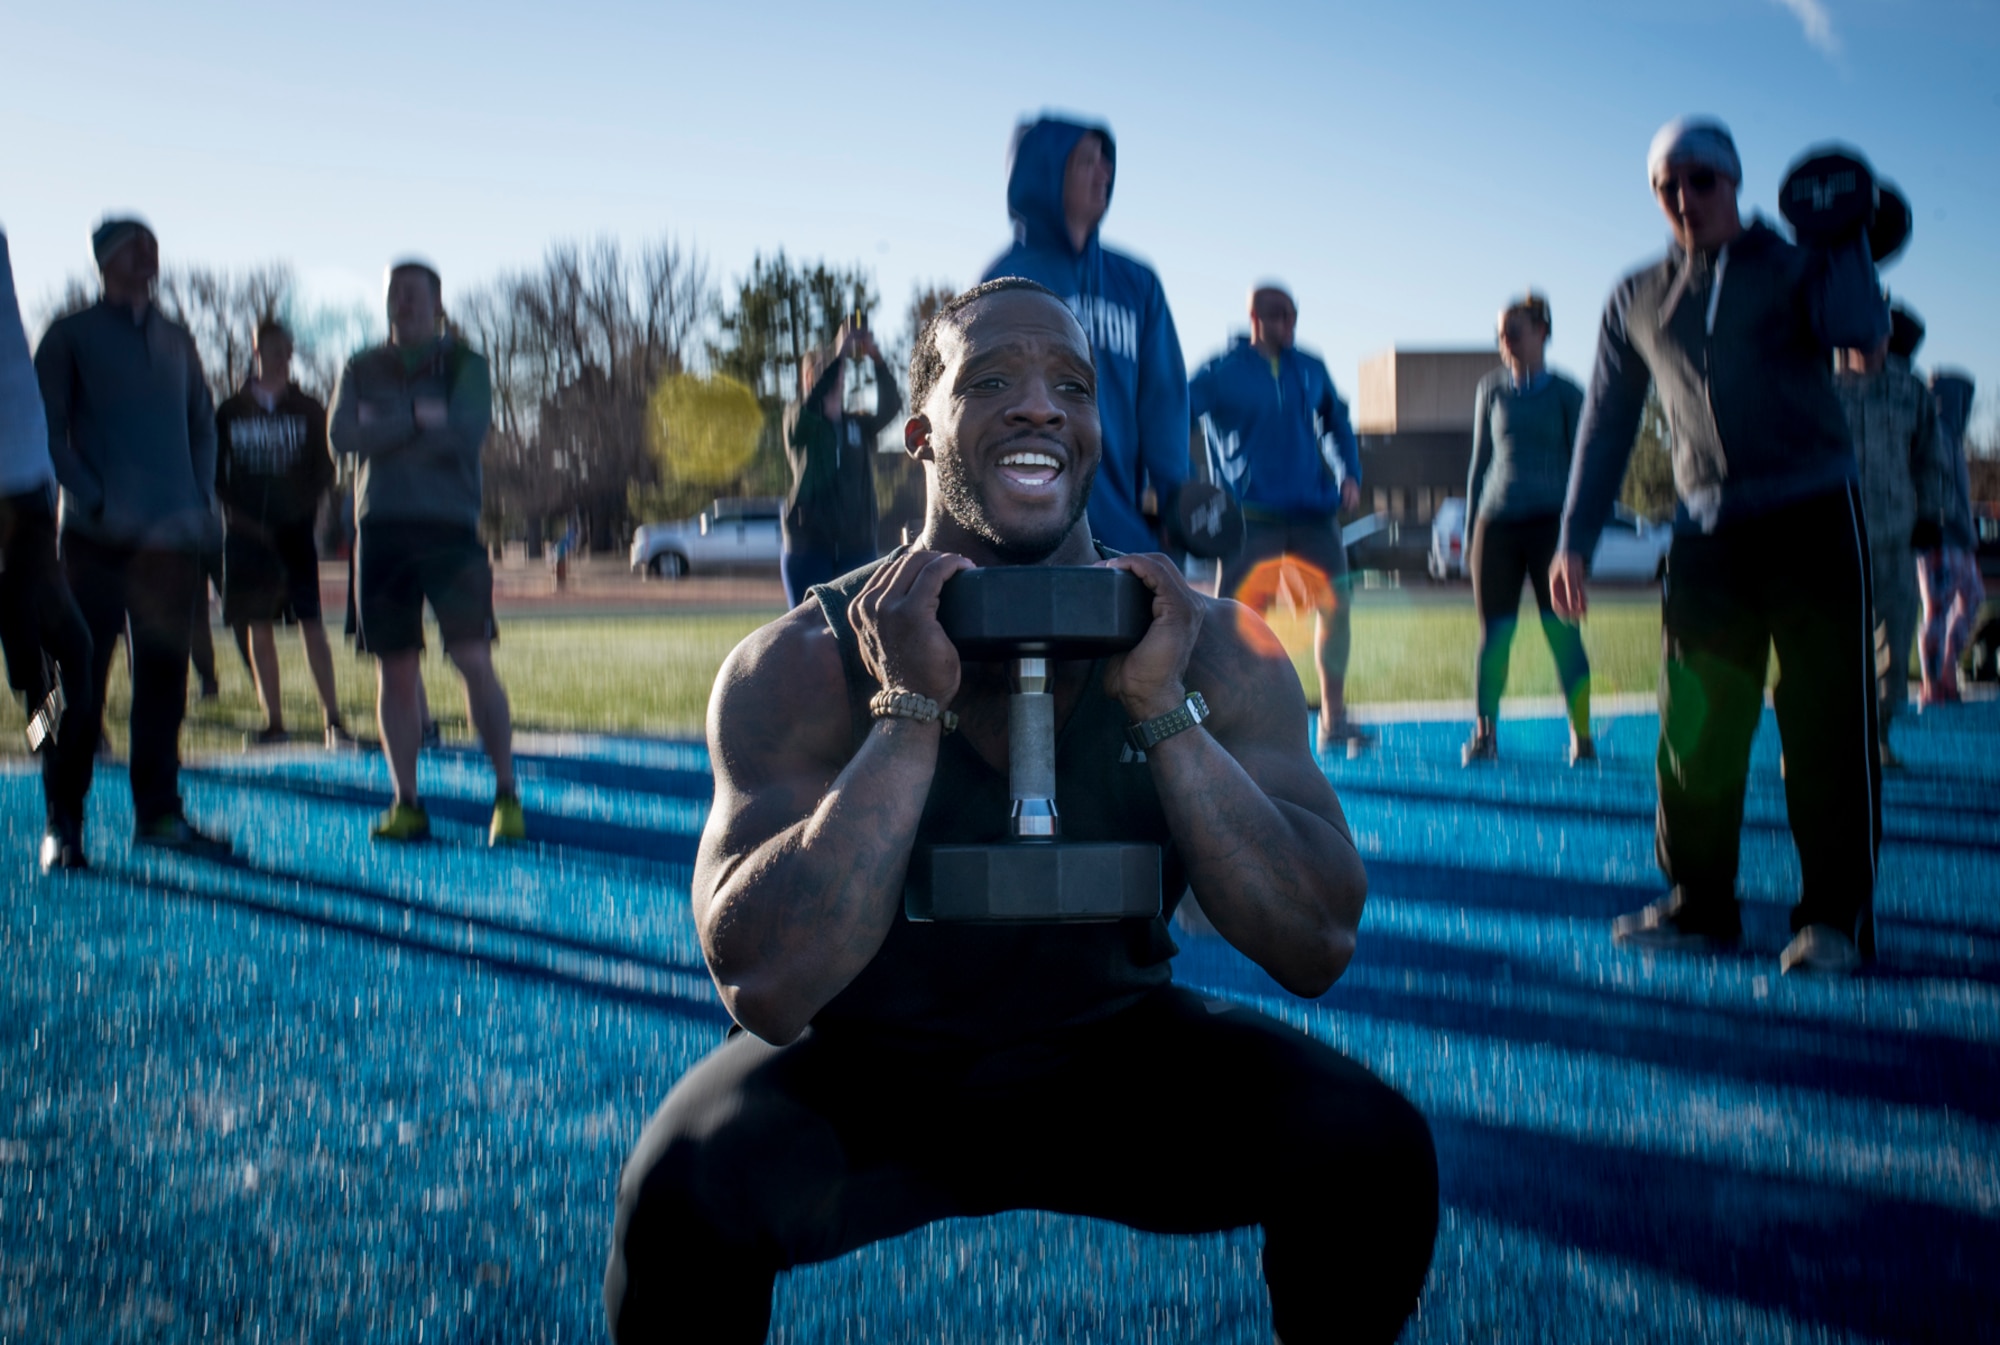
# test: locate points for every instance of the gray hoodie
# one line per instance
(131, 429)
(409, 474)
(24, 426)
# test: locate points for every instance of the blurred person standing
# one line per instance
(273, 466)
(1059, 180)
(1893, 423)
(1948, 578)
(46, 642)
(1736, 328)
(132, 436)
(1279, 425)
(830, 515)
(1524, 419)
(414, 413)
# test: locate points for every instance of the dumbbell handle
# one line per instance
(1031, 752)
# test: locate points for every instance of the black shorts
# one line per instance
(403, 565)
(1313, 545)
(270, 575)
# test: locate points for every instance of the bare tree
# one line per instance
(576, 348)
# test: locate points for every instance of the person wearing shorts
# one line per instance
(1278, 426)
(272, 469)
(414, 414)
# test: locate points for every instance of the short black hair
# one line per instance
(270, 327)
(926, 365)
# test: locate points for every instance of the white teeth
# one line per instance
(1029, 460)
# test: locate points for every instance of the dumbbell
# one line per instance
(1031, 616)
(1831, 196)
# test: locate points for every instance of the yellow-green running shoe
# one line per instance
(510, 824)
(403, 822)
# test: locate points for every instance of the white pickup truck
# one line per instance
(732, 534)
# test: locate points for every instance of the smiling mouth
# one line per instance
(1030, 469)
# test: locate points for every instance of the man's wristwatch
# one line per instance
(910, 705)
(1149, 733)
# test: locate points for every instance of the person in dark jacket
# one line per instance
(132, 437)
(1737, 327)
(830, 515)
(42, 630)
(1524, 419)
(272, 469)
(1948, 576)
(1278, 427)
(414, 414)
(1059, 179)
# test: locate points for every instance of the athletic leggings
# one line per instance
(1504, 552)
(1178, 1115)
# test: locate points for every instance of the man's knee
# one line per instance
(397, 673)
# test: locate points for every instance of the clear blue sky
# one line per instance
(1405, 166)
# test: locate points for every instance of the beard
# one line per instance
(964, 499)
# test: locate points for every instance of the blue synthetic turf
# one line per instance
(338, 1092)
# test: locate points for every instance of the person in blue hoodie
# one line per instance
(1059, 180)
(1273, 413)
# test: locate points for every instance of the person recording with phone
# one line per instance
(830, 513)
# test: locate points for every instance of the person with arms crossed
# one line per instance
(1059, 179)
(891, 1072)
(414, 414)
(1524, 419)
(1737, 327)
(132, 435)
(1278, 426)
(273, 466)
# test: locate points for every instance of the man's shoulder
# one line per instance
(790, 669)
(238, 403)
(1134, 275)
(1031, 263)
(300, 402)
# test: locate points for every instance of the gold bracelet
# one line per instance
(909, 705)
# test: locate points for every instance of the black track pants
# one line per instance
(1504, 553)
(1795, 579)
(41, 628)
(148, 596)
(1177, 1115)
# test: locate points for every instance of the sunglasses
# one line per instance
(1699, 182)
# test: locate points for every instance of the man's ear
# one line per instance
(917, 438)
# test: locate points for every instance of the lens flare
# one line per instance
(704, 430)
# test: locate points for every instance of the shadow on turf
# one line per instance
(1904, 821)
(1894, 1269)
(410, 939)
(605, 838)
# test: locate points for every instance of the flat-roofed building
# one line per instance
(1413, 417)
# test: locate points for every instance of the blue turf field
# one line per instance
(340, 1093)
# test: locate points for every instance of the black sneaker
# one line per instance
(62, 846)
(1672, 925)
(1483, 745)
(1582, 750)
(433, 735)
(267, 737)
(176, 833)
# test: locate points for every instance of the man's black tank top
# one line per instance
(987, 984)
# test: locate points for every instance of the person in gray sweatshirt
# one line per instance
(1524, 420)
(414, 414)
(1894, 425)
(1736, 328)
(46, 642)
(131, 433)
